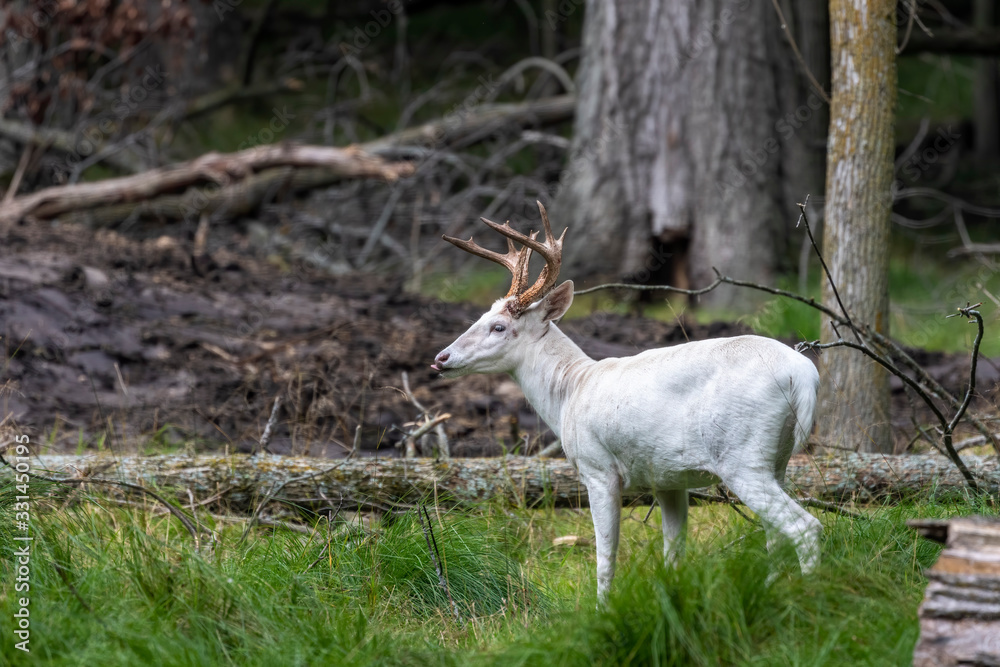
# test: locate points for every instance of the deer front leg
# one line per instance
(674, 512)
(604, 491)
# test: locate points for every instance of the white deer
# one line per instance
(664, 420)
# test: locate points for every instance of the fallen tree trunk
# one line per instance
(234, 199)
(238, 480)
(217, 169)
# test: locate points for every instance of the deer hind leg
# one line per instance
(779, 514)
(674, 511)
(604, 491)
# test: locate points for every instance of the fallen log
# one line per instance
(216, 169)
(464, 125)
(237, 480)
(234, 199)
(960, 614)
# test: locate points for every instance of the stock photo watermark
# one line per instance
(33, 22)
(752, 160)
(23, 538)
(362, 37)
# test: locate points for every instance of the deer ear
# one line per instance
(557, 302)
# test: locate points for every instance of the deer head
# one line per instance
(494, 343)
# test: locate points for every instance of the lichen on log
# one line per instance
(240, 480)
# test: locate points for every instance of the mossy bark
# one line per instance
(854, 395)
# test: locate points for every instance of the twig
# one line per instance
(666, 288)
(925, 378)
(804, 219)
(432, 547)
(805, 500)
(265, 521)
(885, 363)
(61, 571)
(830, 507)
(909, 27)
(22, 166)
(356, 445)
(437, 423)
(798, 54)
(732, 502)
(970, 313)
(265, 437)
(948, 426)
(553, 68)
(330, 518)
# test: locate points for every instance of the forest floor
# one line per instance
(128, 341)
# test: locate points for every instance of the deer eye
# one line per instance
(499, 328)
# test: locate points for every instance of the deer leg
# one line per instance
(674, 511)
(604, 491)
(780, 513)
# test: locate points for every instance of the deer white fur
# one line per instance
(664, 420)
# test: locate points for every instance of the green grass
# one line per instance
(115, 585)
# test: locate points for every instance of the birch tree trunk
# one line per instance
(675, 154)
(854, 394)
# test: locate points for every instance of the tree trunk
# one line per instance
(241, 481)
(987, 90)
(854, 394)
(675, 161)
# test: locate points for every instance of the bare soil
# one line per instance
(118, 341)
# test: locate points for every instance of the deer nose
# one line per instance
(440, 360)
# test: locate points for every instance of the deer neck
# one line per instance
(549, 374)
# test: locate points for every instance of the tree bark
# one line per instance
(960, 615)
(242, 480)
(854, 394)
(675, 161)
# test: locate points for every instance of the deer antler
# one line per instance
(516, 261)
